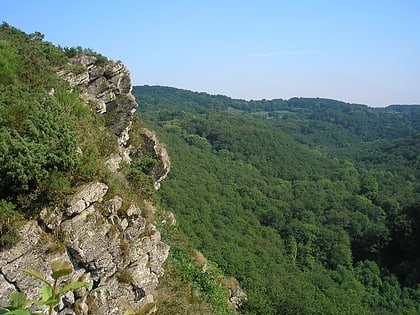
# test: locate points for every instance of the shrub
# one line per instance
(10, 219)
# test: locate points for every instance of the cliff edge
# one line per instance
(107, 238)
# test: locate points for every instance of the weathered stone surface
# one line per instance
(153, 148)
(6, 289)
(90, 245)
(133, 212)
(119, 113)
(84, 60)
(75, 79)
(51, 217)
(96, 236)
(98, 86)
(155, 251)
(30, 235)
(237, 296)
(35, 258)
(95, 73)
(169, 218)
(89, 194)
(113, 69)
(113, 163)
(100, 107)
(99, 244)
(108, 85)
(112, 206)
(117, 297)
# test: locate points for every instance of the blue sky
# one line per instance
(365, 51)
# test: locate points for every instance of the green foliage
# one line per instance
(50, 293)
(124, 276)
(140, 182)
(49, 141)
(74, 51)
(9, 61)
(10, 220)
(207, 283)
(40, 142)
(293, 197)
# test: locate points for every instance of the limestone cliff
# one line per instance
(108, 87)
(115, 250)
(106, 238)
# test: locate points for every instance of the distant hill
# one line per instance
(78, 180)
(314, 121)
(312, 204)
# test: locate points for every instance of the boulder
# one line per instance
(87, 195)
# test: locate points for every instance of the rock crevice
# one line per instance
(108, 87)
(119, 254)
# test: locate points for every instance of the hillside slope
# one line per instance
(78, 180)
(311, 204)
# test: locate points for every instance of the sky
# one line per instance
(357, 51)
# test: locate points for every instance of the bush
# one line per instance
(10, 219)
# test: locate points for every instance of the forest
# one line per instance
(311, 204)
(51, 143)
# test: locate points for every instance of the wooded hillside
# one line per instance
(312, 204)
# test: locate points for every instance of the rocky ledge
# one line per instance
(107, 240)
(108, 86)
(109, 244)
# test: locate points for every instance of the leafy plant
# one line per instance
(51, 293)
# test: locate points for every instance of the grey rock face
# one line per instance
(108, 86)
(87, 195)
(116, 252)
(5, 290)
(153, 148)
(237, 297)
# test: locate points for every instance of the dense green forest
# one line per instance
(52, 142)
(312, 204)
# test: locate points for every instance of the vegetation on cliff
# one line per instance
(311, 204)
(49, 139)
(52, 142)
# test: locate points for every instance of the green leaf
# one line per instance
(49, 302)
(46, 294)
(18, 300)
(18, 312)
(61, 269)
(46, 297)
(73, 286)
(37, 275)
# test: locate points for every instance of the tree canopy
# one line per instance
(304, 201)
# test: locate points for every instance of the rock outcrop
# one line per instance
(153, 148)
(107, 240)
(108, 87)
(114, 249)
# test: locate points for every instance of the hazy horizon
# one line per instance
(363, 52)
(275, 98)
